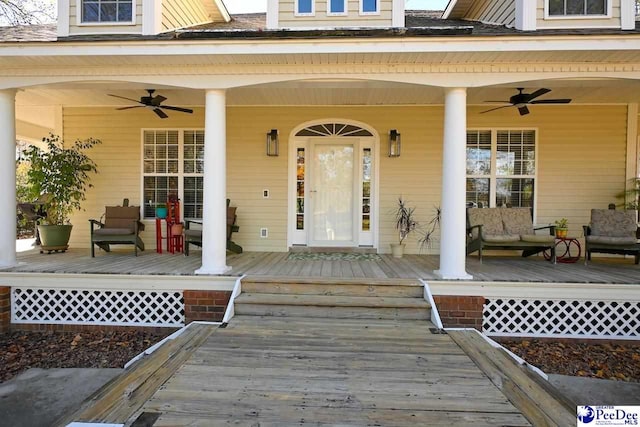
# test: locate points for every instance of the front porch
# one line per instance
(383, 266)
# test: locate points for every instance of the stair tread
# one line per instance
(331, 301)
(332, 281)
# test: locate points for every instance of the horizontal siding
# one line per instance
(287, 18)
(182, 13)
(581, 158)
(542, 23)
(493, 11)
(103, 29)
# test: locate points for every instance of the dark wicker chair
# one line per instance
(612, 232)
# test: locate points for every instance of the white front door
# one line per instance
(332, 191)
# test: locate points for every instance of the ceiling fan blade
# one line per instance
(538, 93)
(128, 108)
(122, 97)
(523, 110)
(160, 113)
(157, 100)
(169, 107)
(552, 101)
(497, 108)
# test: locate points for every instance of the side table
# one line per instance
(568, 250)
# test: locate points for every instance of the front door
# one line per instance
(331, 194)
(333, 186)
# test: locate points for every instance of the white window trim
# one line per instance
(608, 15)
(181, 174)
(493, 176)
(345, 7)
(297, 8)
(79, 22)
(363, 13)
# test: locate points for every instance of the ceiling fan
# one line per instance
(154, 103)
(521, 100)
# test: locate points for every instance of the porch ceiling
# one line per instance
(325, 92)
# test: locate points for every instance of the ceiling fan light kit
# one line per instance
(153, 103)
(522, 100)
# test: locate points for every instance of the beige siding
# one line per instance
(493, 11)
(542, 23)
(581, 161)
(75, 29)
(182, 13)
(287, 18)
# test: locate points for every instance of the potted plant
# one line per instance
(59, 177)
(405, 224)
(562, 227)
(161, 210)
(631, 197)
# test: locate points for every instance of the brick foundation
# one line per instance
(5, 308)
(460, 311)
(208, 306)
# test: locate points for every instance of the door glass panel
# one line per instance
(300, 189)
(366, 189)
(333, 193)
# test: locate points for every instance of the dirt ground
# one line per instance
(610, 361)
(20, 351)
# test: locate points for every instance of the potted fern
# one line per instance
(59, 176)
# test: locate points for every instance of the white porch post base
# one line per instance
(8, 178)
(214, 212)
(453, 220)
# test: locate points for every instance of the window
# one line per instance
(369, 6)
(336, 7)
(577, 7)
(501, 168)
(173, 164)
(107, 11)
(304, 7)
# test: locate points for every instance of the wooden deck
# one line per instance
(516, 269)
(300, 371)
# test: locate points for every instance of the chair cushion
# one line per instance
(113, 232)
(609, 240)
(613, 223)
(490, 220)
(501, 238)
(517, 220)
(193, 234)
(121, 217)
(538, 238)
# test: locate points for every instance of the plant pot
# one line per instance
(561, 233)
(176, 229)
(54, 237)
(161, 212)
(397, 250)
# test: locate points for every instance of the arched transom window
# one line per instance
(334, 129)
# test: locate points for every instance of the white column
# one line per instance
(8, 178)
(453, 220)
(214, 216)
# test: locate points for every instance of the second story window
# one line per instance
(107, 11)
(336, 7)
(304, 7)
(577, 7)
(369, 6)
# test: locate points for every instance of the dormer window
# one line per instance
(336, 7)
(107, 11)
(304, 7)
(369, 7)
(577, 7)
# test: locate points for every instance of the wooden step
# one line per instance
(400, 288)
(346, 307)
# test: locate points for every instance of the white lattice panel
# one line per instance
(561, 318)
(97, 307)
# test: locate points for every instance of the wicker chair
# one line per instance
(121, 227)
(612, 232)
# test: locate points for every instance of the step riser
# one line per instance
(388, 291)
(333, 312)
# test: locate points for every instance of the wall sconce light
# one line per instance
(273, 148)
(395, 143)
